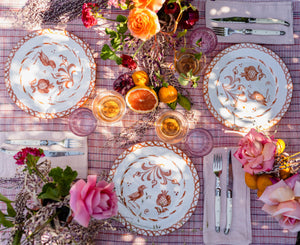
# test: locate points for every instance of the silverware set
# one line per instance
(66, 143)
(217, 169)
(225, 31)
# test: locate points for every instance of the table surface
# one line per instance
(265, 230)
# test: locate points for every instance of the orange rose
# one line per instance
(153, 5)
(143, 23)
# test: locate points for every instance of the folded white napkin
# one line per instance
(278, 10)
(78, 163)
(240, 231)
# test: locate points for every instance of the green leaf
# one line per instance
(122, 28)
(10, 210)
(121, 18)
(182, 33)
(111, 32)
(198, 55)
(172, 105)
(50, 191)
(182, 50)
(183, 80)
(198, 42)
(172, 1)
(184, 102)
(115, 43)
(63, 179)
(4, 199)
(106, 52)
(4, 221)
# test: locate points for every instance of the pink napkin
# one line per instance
(278, 10)
(240, 232)
(78, 163)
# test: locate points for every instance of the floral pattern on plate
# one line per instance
(247, 86)
(50, 73)
(157, 186)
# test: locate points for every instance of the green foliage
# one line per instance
(117, 39)
(184, 79)
(172, 105)
(184, 102)
(10, 212)
(60, 187)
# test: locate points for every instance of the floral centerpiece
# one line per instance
(275, 176)
(51, 208)
(143, 39)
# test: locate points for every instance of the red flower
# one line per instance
(171, 8)
(189, 18)
(21, 156)
(87, 14)
(128, 62)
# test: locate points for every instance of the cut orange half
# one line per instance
(141, 99)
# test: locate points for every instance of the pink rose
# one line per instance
(282, 201)
(91, 199)
(87, 14)
(256, 152)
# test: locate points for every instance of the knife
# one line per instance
(47, 153)
(229, 195)
(252, 20)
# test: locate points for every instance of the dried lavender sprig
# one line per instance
(38, 12)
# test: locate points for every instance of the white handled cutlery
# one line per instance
(47, 153)
(67, 143)
(217, 169)
(225, 31)
(251, 20)
(229, 194)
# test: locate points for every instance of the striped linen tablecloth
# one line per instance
(265, 230)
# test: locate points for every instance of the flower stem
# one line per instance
(139, 48)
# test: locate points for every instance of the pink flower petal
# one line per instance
(297, 189)
(75, 193)
(82, 216)
(268, 151)
(273, 199)
(91, 183)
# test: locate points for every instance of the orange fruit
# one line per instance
(259, 193)
(251, 181)
(280, 146)
(140, 78)
(141, 99)
(167, 94)
(263, 181)
(285, 171)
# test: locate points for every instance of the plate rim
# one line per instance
(52, 115)
(194, 174)
(289, 83)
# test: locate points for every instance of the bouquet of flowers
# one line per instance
(275, 175)
(50, 208)
(144, 39)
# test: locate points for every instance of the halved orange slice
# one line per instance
(141, 99)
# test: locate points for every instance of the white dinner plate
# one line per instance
(247, 86)
(50, 73)
(157, 186)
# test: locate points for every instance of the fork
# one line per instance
(217, 169)
(67, 143)
(225, 31)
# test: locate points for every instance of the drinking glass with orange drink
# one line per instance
(109, 107)
(171, 127)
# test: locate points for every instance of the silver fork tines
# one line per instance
(68, 143)
(217, 169)
(225, 31)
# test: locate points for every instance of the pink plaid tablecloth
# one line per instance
(265, 230)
